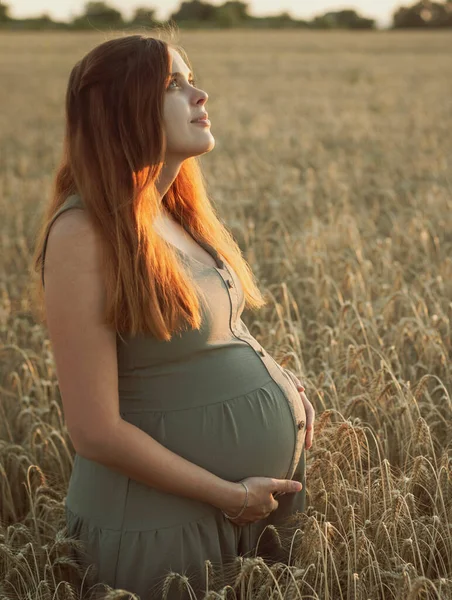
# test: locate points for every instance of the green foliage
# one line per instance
(4, 17)
(424, 14)
(195, 10)
(342, 19)
(144, 17)
(233, 14)
(230, 14)
(98, 15)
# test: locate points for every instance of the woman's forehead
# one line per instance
(178, 62)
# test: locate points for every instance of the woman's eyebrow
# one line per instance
(190, 74)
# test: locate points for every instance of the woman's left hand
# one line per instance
(310, 415)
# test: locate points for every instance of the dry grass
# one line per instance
(333, 169)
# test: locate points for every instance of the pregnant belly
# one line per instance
(249, 435)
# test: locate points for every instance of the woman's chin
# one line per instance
(206, 147)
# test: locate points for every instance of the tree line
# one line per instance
(232, 14)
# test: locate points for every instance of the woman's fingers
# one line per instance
(310, 418)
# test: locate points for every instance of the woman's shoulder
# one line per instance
(71, 239)
(71, 223)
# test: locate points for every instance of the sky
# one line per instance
(62, 10)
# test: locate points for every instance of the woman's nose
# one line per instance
(204, 96)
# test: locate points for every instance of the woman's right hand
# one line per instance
(261, 498)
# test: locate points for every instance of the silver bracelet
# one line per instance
(244, 506)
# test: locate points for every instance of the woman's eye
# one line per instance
(192, 82)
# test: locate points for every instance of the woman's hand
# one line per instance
(310, 414)
(261, 498)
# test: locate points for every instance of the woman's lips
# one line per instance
(203, 122)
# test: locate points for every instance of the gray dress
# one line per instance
(216, 397)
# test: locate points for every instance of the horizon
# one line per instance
(65, 11)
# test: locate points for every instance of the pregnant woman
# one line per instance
(185, 429)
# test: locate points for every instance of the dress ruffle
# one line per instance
(139, 561)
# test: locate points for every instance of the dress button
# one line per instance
(230, 283)
(261, 351)
(301, 425)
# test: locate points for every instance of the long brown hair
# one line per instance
(113, 152)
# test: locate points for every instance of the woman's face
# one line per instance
(183, 103)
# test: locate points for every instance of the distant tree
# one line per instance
(349, 19)
(345, 18)
(44, 21)
(282, 20)
(239, 9)
(342, 19)
(4, 10)
(407, 17)
(45, 18)
(195, 10)
(363, 23)
(231, 14)
(322, 22)
(99, 14)
(424, 14)
(144, 17)
(225, 17)
(440, 14)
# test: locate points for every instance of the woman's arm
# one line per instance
(86, 363)
(129, 450)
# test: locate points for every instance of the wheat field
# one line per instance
(332, 168)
